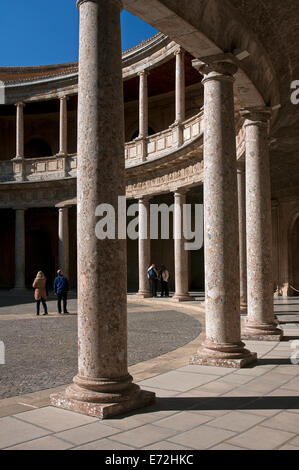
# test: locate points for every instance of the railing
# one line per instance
(136, 152)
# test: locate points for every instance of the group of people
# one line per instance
(158, 274)
(61, 288)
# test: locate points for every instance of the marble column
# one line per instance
(103, 387)
(144, 247)
(63, 126)
(143, 112)
(143, 104)
(20, 249)
(180, 254)
(20, 131)
(179, 86)
(223, 345)
(63, 239)
(261, 323)
(242, 238)
(179, 97)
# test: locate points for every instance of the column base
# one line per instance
(223, 355)
(181, 298)
(144, 294)
(262, 331)
(141, 399)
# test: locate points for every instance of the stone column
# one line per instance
(223, 346)
(143, 112)
(20, 131)
(63, 126)
(63, 239)
(144, 247)
(242, 239)
(179, 97)
(143, 104)
(261, 323)
(103, 387)
(180, 254)
(20, 249)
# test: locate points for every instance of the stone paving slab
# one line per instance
(197, 407)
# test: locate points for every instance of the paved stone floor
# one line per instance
(41, 352)
(197, 407)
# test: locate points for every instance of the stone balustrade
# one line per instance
(136, 152)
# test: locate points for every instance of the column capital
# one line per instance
(143, 72)
(20, 104)
(259, 115)
(180, 192)
(179, 50)
(63, 97)
(80, 2)
(144, 199)
(215, 68)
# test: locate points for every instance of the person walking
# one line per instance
(164, 278)
(61, 288)
(40, 292)
(153, 275)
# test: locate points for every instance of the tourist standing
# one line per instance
(61, 288)
(40, 292)
(164, 278)
(153, 276)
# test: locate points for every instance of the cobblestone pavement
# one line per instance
(41, 352)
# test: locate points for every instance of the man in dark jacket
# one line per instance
(61, 288)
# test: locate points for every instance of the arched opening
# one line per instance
(36, 148)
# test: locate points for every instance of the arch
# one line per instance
(37, 147)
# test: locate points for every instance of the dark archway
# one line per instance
(293, 257)
(36, 148)
(40, 256)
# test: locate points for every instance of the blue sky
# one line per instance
(41, 32)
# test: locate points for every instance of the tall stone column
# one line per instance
(180, 254)
(143, 112)
(20, 249)
(103, 387)
(143, 104)
(20, 131)
(144, 247)
(63, 126)
(242, 238)
(63, 239)
(179, 97)
(223, 346)
(261, 323)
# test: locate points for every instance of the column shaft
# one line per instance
(180, 86)
(261, 323)
(20, 249)
(180, 254)
(223, 346)
(143, 104)
(63, 126)
(63, 240)
(242, 240)
(103, 386)
(144, 247)
(20, 130)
